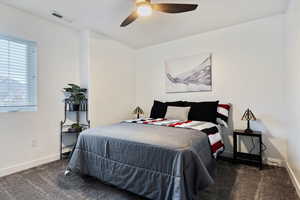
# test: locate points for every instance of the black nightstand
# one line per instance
(247, 158)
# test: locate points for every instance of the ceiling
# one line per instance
(105, 16)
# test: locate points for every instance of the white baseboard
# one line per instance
(28, 165)
(293, 177)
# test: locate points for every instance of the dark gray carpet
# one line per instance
(236, 182)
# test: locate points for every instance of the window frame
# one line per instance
(31, 66)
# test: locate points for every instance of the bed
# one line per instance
(153, 158)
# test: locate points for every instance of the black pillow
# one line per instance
(203, 111)
(158, 110)
(177, 104)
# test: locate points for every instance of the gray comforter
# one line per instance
(156, 162)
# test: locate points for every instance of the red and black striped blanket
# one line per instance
(212, 130)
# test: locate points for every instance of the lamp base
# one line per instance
(248, 130)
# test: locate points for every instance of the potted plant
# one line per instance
(75, 128)
(76, 95)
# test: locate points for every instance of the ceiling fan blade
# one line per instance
(174, 8)
(131, 18)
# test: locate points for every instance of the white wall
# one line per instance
(247, 72)
(292, 85)
(84, 58)
(111, 80)
(58, 64)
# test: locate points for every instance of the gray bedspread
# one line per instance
(156, 162)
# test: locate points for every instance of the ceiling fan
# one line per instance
(145, 8)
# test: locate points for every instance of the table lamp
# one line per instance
(138, 111)
(248, 116)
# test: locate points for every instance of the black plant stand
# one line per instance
(64, 126)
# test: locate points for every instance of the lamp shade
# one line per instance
(138, 110)
(248, 115)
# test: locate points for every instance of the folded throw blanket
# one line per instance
(212, 130)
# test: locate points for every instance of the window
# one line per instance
(17, 75)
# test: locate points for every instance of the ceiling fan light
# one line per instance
(144, 10)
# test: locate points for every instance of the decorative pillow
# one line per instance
(180, 113)
(204, 111)
(223, 114)
(158, 110)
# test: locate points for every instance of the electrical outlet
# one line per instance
(34, 143)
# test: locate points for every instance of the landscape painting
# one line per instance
(189, 74)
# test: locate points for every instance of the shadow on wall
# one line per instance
(268, 140)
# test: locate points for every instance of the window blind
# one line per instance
(17, 75)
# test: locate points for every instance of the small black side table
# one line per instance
(247, 158)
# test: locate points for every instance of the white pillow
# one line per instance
(180, 113)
